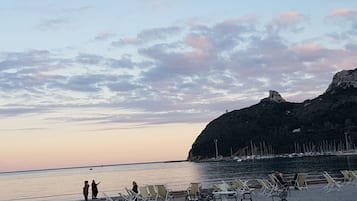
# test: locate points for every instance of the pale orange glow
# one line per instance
(67, 145)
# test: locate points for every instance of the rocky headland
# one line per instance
(276, 126)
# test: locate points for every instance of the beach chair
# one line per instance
(280, 189)
(242, 189)
(346, 176)
(144, 194)
(163, 193)
(267, 188)
(224, 191)
(353, 176)
(300, 182)
(224, 186)
(277, 184)
(331, 183)
(107, 198)
(194, 192)
(131, 195)
(152, 192)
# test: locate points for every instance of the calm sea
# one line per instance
(66, 184)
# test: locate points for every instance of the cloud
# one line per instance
(288, 21)
(104, 36)
(343, 13)
(123, 86)
(199, 42)
(89, 59)
(53, 23)
(291, 17)
(76, 10)
(13, 110)
(84, 83)
(148, 35)
(59, 18)
(24, 59)
(124, 62)
(127, 41)
(158, 33)
(346, 19)
(176, 74)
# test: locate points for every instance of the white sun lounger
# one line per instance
(331, 183)
(194, 192)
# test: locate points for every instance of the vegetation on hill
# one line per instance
(326, 123)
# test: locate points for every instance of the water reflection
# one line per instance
(50, 184)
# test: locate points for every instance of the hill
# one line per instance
(274, 126)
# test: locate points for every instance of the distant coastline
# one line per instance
(274, 156)
(88, 166)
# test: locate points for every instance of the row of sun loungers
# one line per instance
(349, 176)
(237, 189)
(146, 193)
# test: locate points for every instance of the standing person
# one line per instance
(94, 189)
(135, 187)
(85, 190)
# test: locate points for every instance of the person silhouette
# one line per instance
(94, 189)
(135, 187)
(85, 190)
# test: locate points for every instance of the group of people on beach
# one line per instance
(94, 187)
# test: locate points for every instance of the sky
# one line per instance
(108, 82)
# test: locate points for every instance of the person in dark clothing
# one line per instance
(85, 190)
(94, 189)
(135, 187)
(279, 176)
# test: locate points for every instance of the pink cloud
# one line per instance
(343, 12)
(291, 17)
(199, 42)
(308, 48)
(288, 21)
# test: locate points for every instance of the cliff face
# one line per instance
(276, 126)
(342, 80)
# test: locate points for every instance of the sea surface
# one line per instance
(66, 184)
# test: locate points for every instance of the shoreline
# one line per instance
(316, 185)
(117, 178)
(275, 156)
(315, 192)
(89, 166)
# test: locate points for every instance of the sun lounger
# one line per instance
(243, 189)
(107, 198)
(194, 192)
(353, 176)
(331, 183)
(266, 187)
(131, 195)
(300, 182)
(223, 191)
(276, 182)
(144, 194)
(153, 192)
(163, 193)
(280, 189)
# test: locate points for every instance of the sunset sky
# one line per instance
(104, 82)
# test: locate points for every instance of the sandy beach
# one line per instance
(315, 192)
